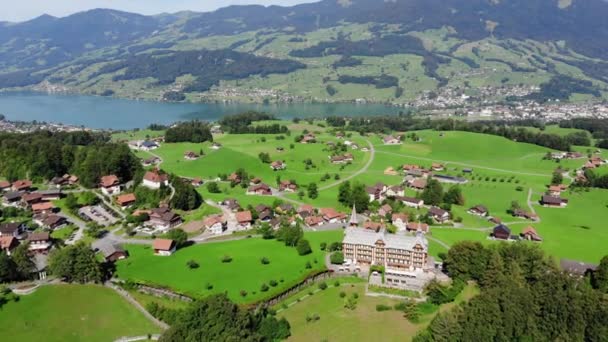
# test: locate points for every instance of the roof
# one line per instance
(360, 236)
(418, 226)
(53, 220)
(9, 228)
(7, 242)
(330, 213)
(410, 199)
(126, 198)
(243, 216)
(34, 196)
(43, 206)
(212, 220)
(305, 207)
(437, 212)
(107, 249)
(419, 183)
(480, 208)
(163, 244)
(555, 188)
(552, 200)
(108, 181)
(148, 143)
(313, 220)
(40, 236)
(22, 184)
(529, 230)
(4, 184)
(503, 228)
(155, 177)
(400, 216)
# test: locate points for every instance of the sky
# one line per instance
(21, 10)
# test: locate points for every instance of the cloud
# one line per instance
(27, 9)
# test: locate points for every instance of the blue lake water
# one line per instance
(102, 112)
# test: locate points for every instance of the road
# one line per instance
(372, 154)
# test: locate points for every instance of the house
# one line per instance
(288, 186)
(264, 213)
(501, 232)
(110, 185)
(278, 165)
(417, 227)
(308, 139)
(555, 190)
(153, 179)
(314, 221)
(418, 184)
(148, 145)
(375, 226)
(553, 201)
(31, 198)
(164, 247)
(126, 200)
(216, 146)
(529, 233)
(330, 215)
(110, 251)
(400, 221)
(306, 210)
(14, 229)
(5, 185)
(376, 192)
(411, 202)
(58, 182)
(342, 159)
(244, 219)
(284, 208)
(50, 195)
(439, 215)
(479, 210)
(385, 210)
(39, 242)
(390, 140)
(164, 219)
(12, 197)
(525, 214)
(231, 203)
(259, 189)
(8, 243)
(418, 173)
(437, 167)
(390, 171)
(576, 268)
(22, 185)
(189, 155)
(410, 167)
(53, 221)
(43, 208)
(196, 182)
(216, 224)
(151, 161)
(340, 135)
(395, 191)
(255, 181)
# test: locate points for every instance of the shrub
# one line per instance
(308, 265)
(337, 283)
(342, 294)
(265, 261)
(243, 293)
(303, 247)
(192, 264)
(519, 188)
(337, 258)
(209, 286)
(323, 286)
(273, 283)
(323, 246)
(264, 288)
(382, 307)
(226, 259)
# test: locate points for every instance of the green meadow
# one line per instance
(244, 272)
(72, 313)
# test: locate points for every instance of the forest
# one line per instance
(191, 131)
(241, 124)
(524, 297)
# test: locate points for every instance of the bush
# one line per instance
(192, 264)
(382, 307)
(213, 188)
(323, 246)
(342, 294)
(264, 288)
(308, 265)
(337, 283)
(323, 286)
(243, 293)
(303, 247)
(312, 317)
(208, 286)
(226, 259)
(337, 258)
(265, 261)
(273, 283)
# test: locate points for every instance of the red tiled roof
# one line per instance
(155, 177)
(108, 181)
(243, 216)
(163, 244)
(42, 206)
(22, 184)
(125, 199)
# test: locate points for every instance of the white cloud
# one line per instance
(27, 9)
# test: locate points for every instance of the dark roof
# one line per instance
(502, 228)
(437, 211)
(9, 228)
(12, 196)
(108, 249)
(41, 236)
(547, 199)
(453, 178)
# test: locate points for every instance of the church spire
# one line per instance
(354, 222)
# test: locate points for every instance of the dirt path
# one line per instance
(372, 154)
(138, 306)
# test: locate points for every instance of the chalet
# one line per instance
(164, 247)
(151, 161)
(376, 192)
(417, 227)
(411, 202)
(259, 189)
(58, 182)
(400, 220)
(14, 229)
(418, 173)
(39, 242)
(288, 186)
(308, 139)
(553, 201)
(330, 215)
(234, 178)
(22, 185)
(110, 185)
(385, 210)
(8, 243)
(306, 210)
(148, 145)
(231, 203)
(375, 226)
(126, 200)
(314, 221)
(164, 219)
(53, 221)
(255, 181)
(216, 224)
(410, 167)
(31, 198)
(50, 195)
(12, 198)
(153, 179)
(390, 171)
(556, 190)
(437, 167)
(189, 155)
(110, 251)
(285, 208)
(43, 208)
(341, 159)
(418, 184)
(4, 185)
(576, 268)
(529, 233)
(495, 220)
(439, 215)
(525, 214)
(216, 146)
(264, 213)
(244, 219)
(196, 182)
(501, 232)
(394, 191)
(390, 140)
(479, 210)
(278, 165)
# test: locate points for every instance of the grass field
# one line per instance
(337, 323)
(72, 313)
(245, 272)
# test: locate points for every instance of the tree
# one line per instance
(289, 234)
(213, 188)
(265, 157)
(179, 236)
(25, 265)
(303, 247)
(599, 277)
(8, 269)
(337, 258)
(313, 192)
(359, 197)
(557, 178)
(186, 197)
(514, 206)
(466, 260)
(344, 194)
(266, 231)
(71, 202)
(454, 196)
(76, 263)
(432, 193)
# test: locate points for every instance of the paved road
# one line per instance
(82, 226)
(372, 154)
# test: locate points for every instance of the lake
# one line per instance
(111, 113)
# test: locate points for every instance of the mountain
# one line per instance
(332, 50)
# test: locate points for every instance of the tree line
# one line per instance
(191, 131)
(524, 297)
(241, 123)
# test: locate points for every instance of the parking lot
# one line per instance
(97, 214)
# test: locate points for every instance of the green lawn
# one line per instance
(72, 313)
(245, 272)
(63, 233)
